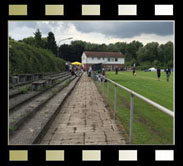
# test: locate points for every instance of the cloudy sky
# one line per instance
(96, 31)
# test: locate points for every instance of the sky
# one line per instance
(100, 32)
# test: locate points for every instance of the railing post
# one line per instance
(115, 99)
(131, 118)
(103, 86)
(100, 82)
(108, 91)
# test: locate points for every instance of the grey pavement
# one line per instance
(84, 120)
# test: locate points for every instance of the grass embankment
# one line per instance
(25, 58)
(150, 126)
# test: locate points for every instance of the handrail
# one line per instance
(160, 107)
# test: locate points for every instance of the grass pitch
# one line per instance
(150, 125)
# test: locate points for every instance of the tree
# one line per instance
(64, 52)
(148, 53)
(166, 53)
(51, 43)
(122, 46)
(38, 39)
(132, 49)
(71, 52)
(44, 43)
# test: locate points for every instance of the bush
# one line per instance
(24, 59)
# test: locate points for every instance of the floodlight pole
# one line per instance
(59, 44)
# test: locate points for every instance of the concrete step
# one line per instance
(16, 91)
(34, 129)
(23, 98)
(16, 118)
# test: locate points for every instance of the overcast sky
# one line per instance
(96, 31)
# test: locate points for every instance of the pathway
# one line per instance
(84, 119)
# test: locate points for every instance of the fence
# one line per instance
(104, 86)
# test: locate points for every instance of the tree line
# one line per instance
(144, 56)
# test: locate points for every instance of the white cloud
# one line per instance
(22, 29)
(20, 32)
(145, 38)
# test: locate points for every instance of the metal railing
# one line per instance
(103, 79)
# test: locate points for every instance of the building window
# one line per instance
(116, 59)
(98, 58)
(103, 58)
(92, 58)
(108, 59)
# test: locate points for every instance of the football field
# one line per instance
(147, 84)
(150, 125)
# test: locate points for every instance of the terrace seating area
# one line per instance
(37, 85)
(21, 79)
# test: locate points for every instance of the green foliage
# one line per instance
(150, 55)
(38, 39)
(30, 40)
(24, 90)
(24, 58)
(51, 43)
(71, 52)
(11, 128)
(153, 54)
(131, 50)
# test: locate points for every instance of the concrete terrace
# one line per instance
(84, 119)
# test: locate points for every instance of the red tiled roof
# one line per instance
(104, 54)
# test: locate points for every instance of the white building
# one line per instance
(110, 60)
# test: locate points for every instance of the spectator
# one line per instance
(73, 72)
(70, 68)
(82, 69)
(103, 71)
(116, 69)
(158, 74)
(89, 71)
(134, 73)
(167, 74)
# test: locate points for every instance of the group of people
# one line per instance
(168, 72)
(73, 68)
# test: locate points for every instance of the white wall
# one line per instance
(83, 58)
(91, 60)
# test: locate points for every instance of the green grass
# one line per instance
(150, 125)
(24, 90)
(146, 84)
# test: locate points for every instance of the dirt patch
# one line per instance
(146, 123)
(119, 124)
(124, 102)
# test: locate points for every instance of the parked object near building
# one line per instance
(109, 60)
(152, 69)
